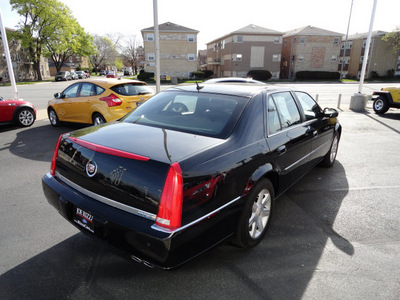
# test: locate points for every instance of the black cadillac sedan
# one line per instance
(190, 168)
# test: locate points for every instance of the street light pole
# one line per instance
(156, 45)
(8, 58)
(364, 65)
(345, 43)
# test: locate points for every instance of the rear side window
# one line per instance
(131, 89)
(310, 107)
(288, 112)
(212, 115)
(98, 90)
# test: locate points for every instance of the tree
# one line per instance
(42, 21)
(105, 54)
(393, 39)
(72, 40)
(130, 53)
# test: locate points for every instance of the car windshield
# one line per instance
(61, 73)
(131, 89)
(206, 114)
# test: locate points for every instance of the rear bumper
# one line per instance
(135, 235)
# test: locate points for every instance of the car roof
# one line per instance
(234, 89)
(109, 82)
(233, 79)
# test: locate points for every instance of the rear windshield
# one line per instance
(61, 73)
(206, 114)
(131, 89)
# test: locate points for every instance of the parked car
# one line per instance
(102, 72)
(63, 75)
(81, 74)
(74, 75)
(385, 99)
(127, 73)
(96, 101)
(19, 112)
(190, 168)
(233, 80)
(112, 74)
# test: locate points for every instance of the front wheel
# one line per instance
(330, 157)
(25, 117)
(380, 105)
(256, 215)
(53, 118)
(98, 119)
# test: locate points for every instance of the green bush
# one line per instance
(259, 74)
(317, 75)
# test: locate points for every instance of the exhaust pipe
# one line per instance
(141, 261)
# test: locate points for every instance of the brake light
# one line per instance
(112, 100)
(170, 211)
(54, 159)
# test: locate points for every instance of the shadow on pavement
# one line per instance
(280, 267)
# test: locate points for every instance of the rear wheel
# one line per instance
(25, 117)
(380, 105)
(256, 215)
(98, 119)
(53, 118)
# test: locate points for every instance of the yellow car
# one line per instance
(386, 98)
(97, 101)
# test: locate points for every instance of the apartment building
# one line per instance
(178, 50)
(22, 66)
(381, 58)
(309, 49)
(249, 48)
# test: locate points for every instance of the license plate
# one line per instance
(84, 219)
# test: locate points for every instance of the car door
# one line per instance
(288, 138)
(66, 108)
(319, 126)
(85, 101)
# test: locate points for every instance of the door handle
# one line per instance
(281, 150)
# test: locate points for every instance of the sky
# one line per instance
(215, 18)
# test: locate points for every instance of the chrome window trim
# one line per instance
(106, 200)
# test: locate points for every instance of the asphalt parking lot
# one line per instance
(334, 235)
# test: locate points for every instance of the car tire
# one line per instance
(380, 105)
(25, 117)
(330, 157)
(256, 216)
(53, 118)
(98, 119)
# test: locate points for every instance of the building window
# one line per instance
(191, 38)
(276, 57)
(150, 57)
(238, 57)
(223, 44)
(150, 37)
(336, 41)
(302, 40)
(300, 58)
(239, 39)
(334, 58)
(191, 57)
(277, 40)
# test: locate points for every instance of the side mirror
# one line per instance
(58, 95)
(330, 112)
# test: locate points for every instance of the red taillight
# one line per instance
(170, 210)
(112, 100)
(54, 159)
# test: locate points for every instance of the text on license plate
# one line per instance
(84, 219)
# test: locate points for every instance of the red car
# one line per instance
(112, 74)
(19, 112)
